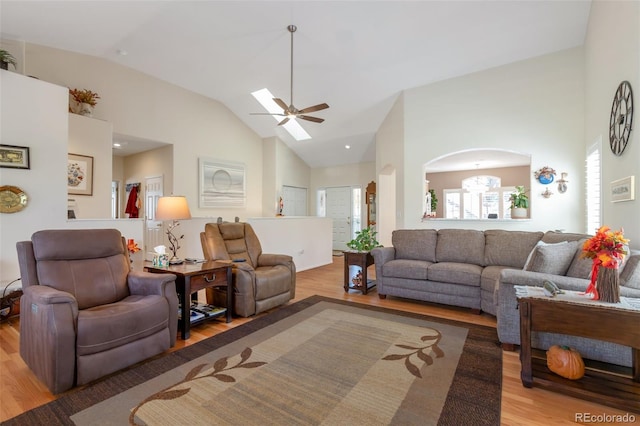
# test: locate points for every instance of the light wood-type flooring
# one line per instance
(21, 391)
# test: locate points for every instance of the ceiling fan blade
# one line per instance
(283, 121)
(281, 104)
(309, 118)
(314, 108)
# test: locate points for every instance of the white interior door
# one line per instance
(339, 209)
(294, 200)
(154, 232)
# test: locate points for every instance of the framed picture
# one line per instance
(222, 183)
(623, 189)
(80, 174)
(14, 157)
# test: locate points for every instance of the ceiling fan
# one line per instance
(289, 112)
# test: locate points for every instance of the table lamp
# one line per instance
(173, 208)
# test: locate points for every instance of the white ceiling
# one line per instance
(357, 56)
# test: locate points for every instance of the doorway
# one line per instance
(154, 231)
(338, 207)
(294, 201)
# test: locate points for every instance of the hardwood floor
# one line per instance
(21, 391)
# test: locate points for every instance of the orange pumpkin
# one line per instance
(565, 362)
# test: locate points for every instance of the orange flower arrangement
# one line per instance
(132, 246)
(606, 248)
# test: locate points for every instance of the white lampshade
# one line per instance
(173, 207)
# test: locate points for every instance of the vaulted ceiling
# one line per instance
(357, 56)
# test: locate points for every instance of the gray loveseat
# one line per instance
(478, 269)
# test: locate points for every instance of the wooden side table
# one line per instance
(614, 386)
(362, 260)
(192, 277)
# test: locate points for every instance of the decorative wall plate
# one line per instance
(12, 199)
(545, 175)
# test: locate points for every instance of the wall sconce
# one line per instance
(562, 183)
(173, 208)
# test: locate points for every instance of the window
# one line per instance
(479, 197)
(593, 186)
(356, 210)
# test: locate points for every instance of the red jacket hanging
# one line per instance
(132, 205)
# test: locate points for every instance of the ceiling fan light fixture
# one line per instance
(265, 98)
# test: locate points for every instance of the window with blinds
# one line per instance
(593, 173)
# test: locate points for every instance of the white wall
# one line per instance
(141, 106)
(533, 107)
(390, 171)
(282, 166)
(612, 54)
(308, 240)
(91, 137)
(34, 114)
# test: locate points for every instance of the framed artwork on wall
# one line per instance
(80, 174)
(14, 157)
(222, 183)
(623, 189)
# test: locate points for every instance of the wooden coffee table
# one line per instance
(192, 277)
(603, 383)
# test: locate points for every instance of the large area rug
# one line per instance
(318, 361)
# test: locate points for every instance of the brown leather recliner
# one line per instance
(261, 281)
(84, 314)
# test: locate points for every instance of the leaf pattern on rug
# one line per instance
(420, 352)
(219, 366)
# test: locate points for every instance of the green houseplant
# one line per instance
(7, 58)
(519, 203)
(434, 201)
(365, 240)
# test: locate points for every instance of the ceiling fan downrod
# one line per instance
(292, 29)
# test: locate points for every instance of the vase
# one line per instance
(518, 213)
(85, 109)
(608, 285)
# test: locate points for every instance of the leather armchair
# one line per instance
(84, 312)
(260, 282)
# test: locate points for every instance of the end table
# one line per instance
(592, 320)
(361, 260)
(192, 277)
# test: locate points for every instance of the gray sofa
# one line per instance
(478, 269)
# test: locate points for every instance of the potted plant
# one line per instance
(85, 99)
(519, 203)
(434, 202)
(7, 58)
(364, 241)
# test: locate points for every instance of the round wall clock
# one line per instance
(621, 118)
(12, 199)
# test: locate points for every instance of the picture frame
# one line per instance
(14, 157)
(623, 189)
(221, 183)
(80, 174)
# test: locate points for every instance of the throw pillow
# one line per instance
(580, 266)
(552, 258)
(630, 275)
(527, 263)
